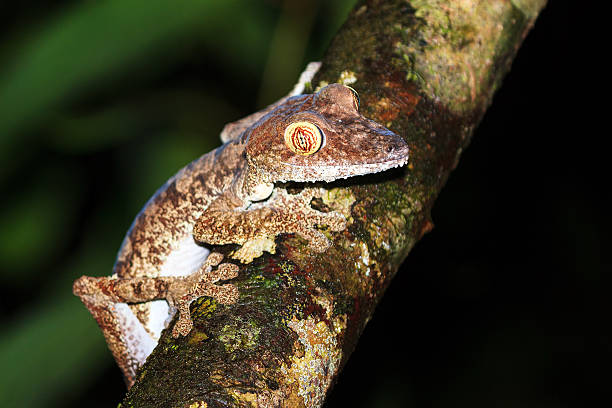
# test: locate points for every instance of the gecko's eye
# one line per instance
(303, 138)
(355, 98)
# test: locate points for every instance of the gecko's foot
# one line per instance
(308, 230)
(202, 283)
(254, 248)
(293, 213)
(306, 220)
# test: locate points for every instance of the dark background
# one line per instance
(100, 102)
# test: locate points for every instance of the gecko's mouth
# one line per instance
(343, 172)
(369, 168)
(330, 173)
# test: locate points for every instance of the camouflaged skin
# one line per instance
(228, 197)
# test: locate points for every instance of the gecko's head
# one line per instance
(321, 137)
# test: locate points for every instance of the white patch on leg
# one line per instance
(187, 258)
(138, 342)
(159, 313)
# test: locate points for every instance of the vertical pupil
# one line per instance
(302, 139)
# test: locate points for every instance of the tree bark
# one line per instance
(426, 69)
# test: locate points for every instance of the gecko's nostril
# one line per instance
(390, 149)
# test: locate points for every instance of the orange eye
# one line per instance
(303, 138)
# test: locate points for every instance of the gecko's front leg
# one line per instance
(256, 228)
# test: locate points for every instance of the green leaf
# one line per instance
(37, 222)
(95, 42)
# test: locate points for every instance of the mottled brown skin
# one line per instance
(228, 196)
(166, 220)
(354, 145)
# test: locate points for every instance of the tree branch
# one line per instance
(427, 69)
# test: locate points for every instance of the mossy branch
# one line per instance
(427, 69)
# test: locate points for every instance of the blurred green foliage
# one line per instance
(101, 102)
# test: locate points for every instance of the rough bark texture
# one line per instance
(427, 69)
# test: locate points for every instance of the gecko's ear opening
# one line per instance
(304, 138)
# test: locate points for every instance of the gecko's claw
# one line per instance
(223, 272)
(184, 324)
(228, 294)
(213, 259)
(317, 241)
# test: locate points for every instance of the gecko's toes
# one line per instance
(228, 271)
(83, 286)
(214, 259)
(333, 220)
(317, 241)
(182, 327)
(254, 248)
(337, 223)
(228, 294)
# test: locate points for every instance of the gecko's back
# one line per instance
(164, 226)
(160, 242)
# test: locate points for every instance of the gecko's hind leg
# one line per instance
(125, 335)
(108, 300)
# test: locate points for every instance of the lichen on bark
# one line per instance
(427, 69)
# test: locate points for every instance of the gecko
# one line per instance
(233, 195)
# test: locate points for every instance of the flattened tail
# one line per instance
(125, 336)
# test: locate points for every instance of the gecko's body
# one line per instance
(228, 196)
(160, 243)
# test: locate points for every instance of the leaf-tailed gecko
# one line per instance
(228, 196)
